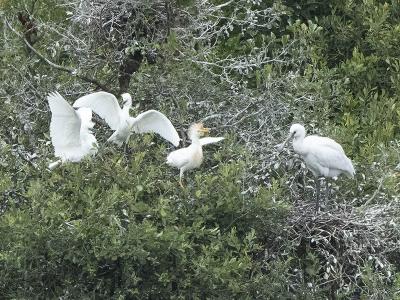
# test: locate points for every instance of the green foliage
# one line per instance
(135, 233)
(119, 225)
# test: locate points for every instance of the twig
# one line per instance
(71, 71)
(376, 192)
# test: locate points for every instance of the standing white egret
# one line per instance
(323, 156)
(106, 106)
(191, 157)
(70, 131)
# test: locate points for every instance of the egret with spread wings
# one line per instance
(192, 156)
(70, 131)
(106, 106)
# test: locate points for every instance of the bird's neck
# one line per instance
(195, 139)
(125, 110)
(128, 103)
(298, 145)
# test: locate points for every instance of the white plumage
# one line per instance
(70, 131)
(107, 107)
(191, 157)
(322, 156)
(210, 140)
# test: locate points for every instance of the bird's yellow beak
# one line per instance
(202, 129)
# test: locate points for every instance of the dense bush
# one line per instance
(81, 230)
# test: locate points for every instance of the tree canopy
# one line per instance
(118, 226)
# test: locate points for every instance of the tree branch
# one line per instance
(375, 192)
(71, 71)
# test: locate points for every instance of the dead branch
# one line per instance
(71, 71)
(345, 240)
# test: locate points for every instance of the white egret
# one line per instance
(70, 131)
(322, 156)
(106, 106)
(191, 157)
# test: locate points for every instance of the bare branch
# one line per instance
(71, 71)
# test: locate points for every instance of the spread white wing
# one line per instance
(65, 125)
(105, 105)
(154, 121)
(210, 140)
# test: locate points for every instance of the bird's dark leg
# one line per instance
(317, 185)
(126, 144)
(327, 190)
(180, 178)
(304, 184)
(125, 148)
